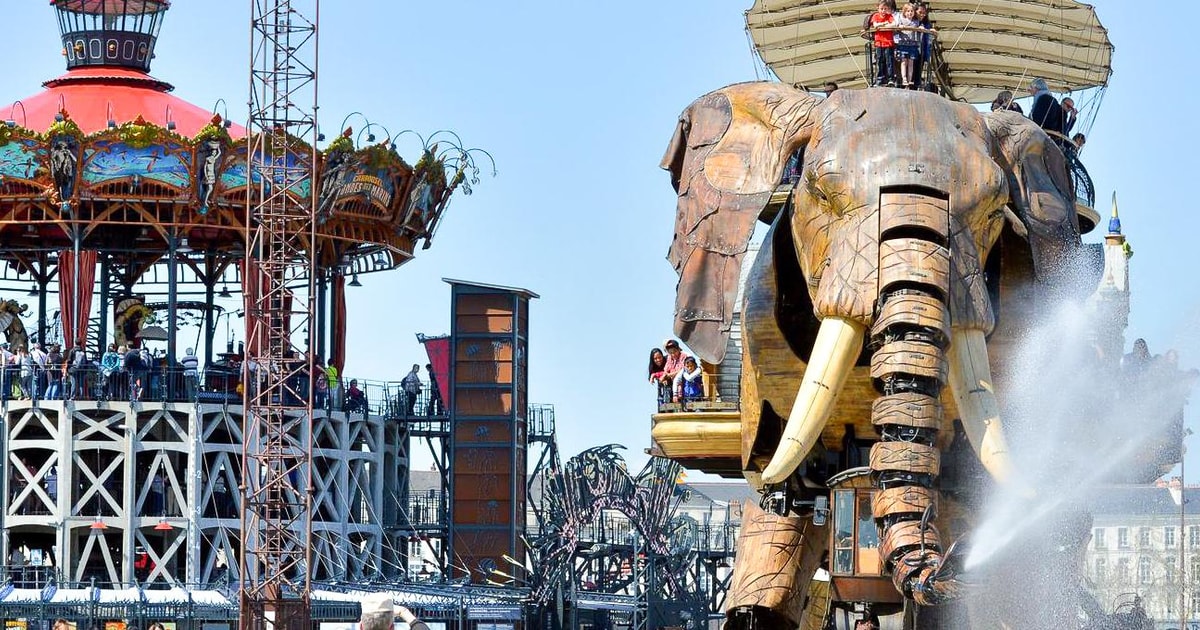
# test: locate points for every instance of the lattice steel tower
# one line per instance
(278, 277)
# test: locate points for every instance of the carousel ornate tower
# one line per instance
(126, 210)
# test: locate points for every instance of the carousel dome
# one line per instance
(108, 46)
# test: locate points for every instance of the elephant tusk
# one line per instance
(971, 383)
(838, 345)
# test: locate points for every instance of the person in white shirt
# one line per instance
(191, 373)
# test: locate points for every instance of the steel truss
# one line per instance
(275, 585)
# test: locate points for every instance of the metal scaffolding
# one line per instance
(279, 273)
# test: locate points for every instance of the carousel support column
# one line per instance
(195, 494)
(172, 298)
(321, 300)
(128, 516)
(41, 282)
(105, 306)
(210, 283)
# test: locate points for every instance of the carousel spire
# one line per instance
(113, 33)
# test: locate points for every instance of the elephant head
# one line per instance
(900, 197)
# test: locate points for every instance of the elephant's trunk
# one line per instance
(910, 335)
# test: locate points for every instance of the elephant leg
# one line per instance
(776, 558)
(910, 335)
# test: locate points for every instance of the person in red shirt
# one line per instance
(880, 24)
(674, 366)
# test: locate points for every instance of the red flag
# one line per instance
(438, 349)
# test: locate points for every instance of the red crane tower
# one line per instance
(279, 279)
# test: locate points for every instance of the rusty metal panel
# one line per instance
(474, 489)
(484, 402)
(481, 372)
(483, 349)
(469, 432)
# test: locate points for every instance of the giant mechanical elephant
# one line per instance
(878, 259)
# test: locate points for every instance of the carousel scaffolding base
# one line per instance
(119, 494)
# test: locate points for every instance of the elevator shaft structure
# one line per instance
(279, 276)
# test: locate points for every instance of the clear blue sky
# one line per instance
(577, 102)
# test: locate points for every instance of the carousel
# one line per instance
(123, 224)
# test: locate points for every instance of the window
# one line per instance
(1169, 570)
(1122, 570)
(843, 526)
(1144, 538)
(1098, 535)
(1122, 538)
(1101, 569)
(1194, 536)
(1169, 536)
(1145, 571)
(1195, 570)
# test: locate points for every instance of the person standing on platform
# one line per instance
(434, 406)
(191, 373)
(881, 24)
(334, 382)
(411, 386)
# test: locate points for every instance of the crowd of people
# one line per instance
(1054, 117)
(676, 376)
(120, 372)
(136, 374)
(902, 43)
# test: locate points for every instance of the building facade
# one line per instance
(1146, 543)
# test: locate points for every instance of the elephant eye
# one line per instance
(814, 188)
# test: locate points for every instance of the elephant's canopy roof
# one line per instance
(986, 46)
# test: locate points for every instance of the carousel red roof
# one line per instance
(94, 95)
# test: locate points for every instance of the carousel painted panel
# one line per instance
(165, 164)
(362, 185)
(25, 160)
(291, 171)
(427, 194)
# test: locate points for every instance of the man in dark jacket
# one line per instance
(132, 362)
(1046, 111)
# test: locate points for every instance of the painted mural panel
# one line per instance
(23, 159)
(290, 169)
(108, 160)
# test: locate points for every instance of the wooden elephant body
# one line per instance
(913, 222)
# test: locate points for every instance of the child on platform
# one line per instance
(691, 386)
(908, 44)
(881, 23)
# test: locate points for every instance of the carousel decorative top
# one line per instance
(105, 145)
(109, 32)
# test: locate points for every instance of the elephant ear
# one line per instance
(1040, 191)
(725, 160)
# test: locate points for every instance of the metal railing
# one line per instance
(720, 390)
(1085, 190)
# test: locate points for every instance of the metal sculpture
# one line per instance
(880, 253)
(652, 554)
